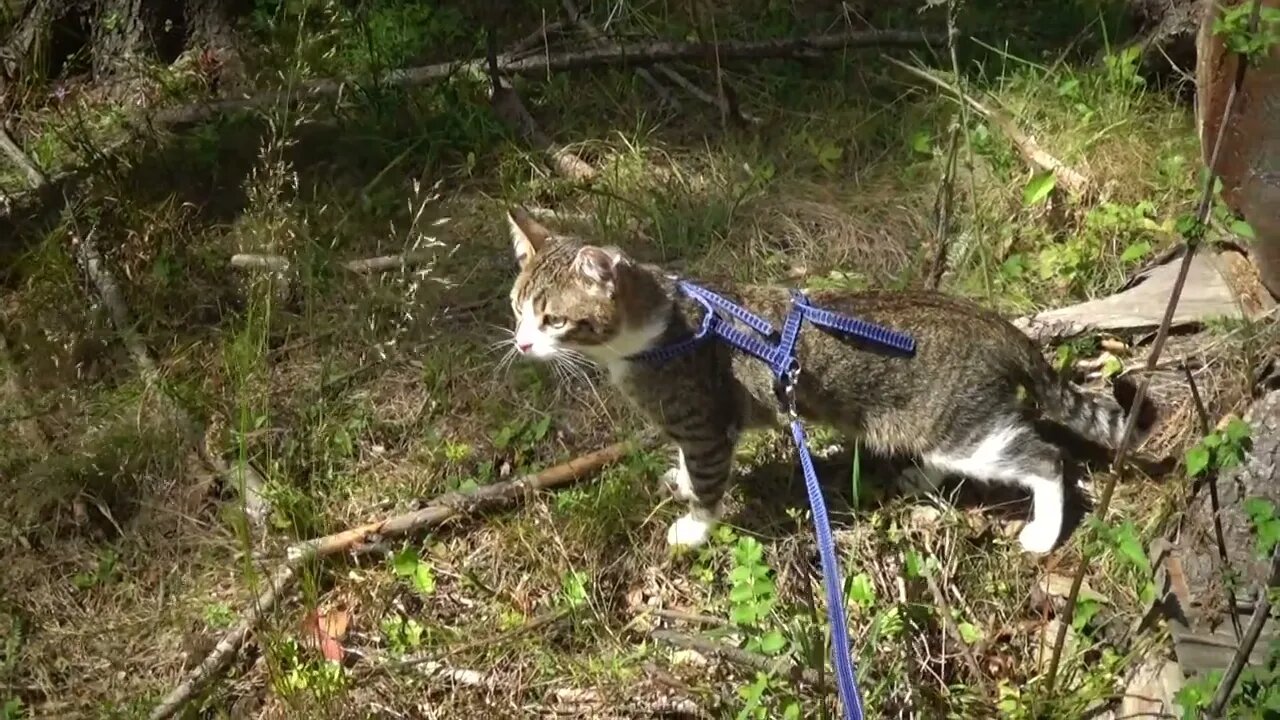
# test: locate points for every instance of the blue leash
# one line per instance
(781, 357)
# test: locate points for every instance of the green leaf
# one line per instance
(913, 564)
(405, 562)
(772, 643)
(1238, 431)
(969, 633)
(1136, 251)
(1112, 366)
(424, 579)
(1197, 460)
(1242, 229)
(861, 592)
(1129, 547)
(922, 142)
(1038, 189)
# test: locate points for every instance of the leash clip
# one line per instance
(785, 389)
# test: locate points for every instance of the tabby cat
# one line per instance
(965, 403)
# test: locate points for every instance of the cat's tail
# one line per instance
(1095, 417)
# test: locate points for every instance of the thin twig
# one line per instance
(689, 617)
(1192, 240)
(942, 213)
(444, 509)
(536, 39)
(1261, 613)
(1067, 177)
(738, 656)
(944, 611)
(35, 176)
(1215, 505)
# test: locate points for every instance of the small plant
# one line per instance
(1232, 25)
(1219, 450)
(752, 594)
(1266, 524)
(403, 635)
(102, 574)
(573, 589)
(218, 615)
(13, 709)
(409, 565)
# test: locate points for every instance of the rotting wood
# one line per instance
(444, 509)
(1067, 177)
(1207, 296)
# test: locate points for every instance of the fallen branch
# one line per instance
(1066, 177)
(35, 176)
(536, 40)
(510, 109)
(637, 55)
(381, 263)
(442, 510)
(247, 481)
(1261, 613)
(738, 656)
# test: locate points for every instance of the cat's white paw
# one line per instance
(1038, 537)
(690, 531)
(677, 480)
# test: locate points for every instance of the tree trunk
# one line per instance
(52, 37)
(211, 32)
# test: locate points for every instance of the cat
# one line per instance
(966, 403)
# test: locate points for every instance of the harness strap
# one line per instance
(782, 360)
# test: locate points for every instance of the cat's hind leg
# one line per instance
(702, 477)
(1011, 452)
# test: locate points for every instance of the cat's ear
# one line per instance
(528, 236)
(600, 265)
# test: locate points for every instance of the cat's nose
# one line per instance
(523, 347)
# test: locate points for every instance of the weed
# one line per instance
(402, 635)
(1219, 450)
(409, 566)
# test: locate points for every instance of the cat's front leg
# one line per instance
(700, 478)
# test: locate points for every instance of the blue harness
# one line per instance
(779, 351)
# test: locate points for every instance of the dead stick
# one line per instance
(35, 176)
(442, 510)
(738, 656)
(1192, 241)
(1070, 179)
(381, 263)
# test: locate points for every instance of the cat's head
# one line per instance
(574, 296)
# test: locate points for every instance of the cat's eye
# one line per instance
(554, 321)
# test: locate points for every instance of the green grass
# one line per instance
(356, 396)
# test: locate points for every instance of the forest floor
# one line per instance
(360, 395)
